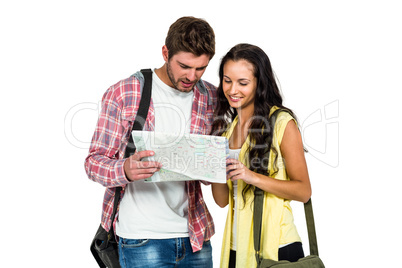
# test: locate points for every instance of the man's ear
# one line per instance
(165, 53)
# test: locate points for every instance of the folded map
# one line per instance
(185, 157)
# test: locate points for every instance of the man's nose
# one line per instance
(191, 75)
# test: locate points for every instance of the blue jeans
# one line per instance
(173, 252)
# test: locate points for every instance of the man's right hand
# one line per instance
(135, 169)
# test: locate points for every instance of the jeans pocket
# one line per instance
(207, 246)
(133, 243)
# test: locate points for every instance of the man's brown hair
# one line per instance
(192, 35)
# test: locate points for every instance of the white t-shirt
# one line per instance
(158, 210)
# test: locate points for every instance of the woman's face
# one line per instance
(239, 84)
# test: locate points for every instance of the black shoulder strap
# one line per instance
(137, 125)
(142, 110)
(145, 100)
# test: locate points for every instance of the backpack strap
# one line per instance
(142, 110)
(259, 197)
(137, 125)
(258, 208)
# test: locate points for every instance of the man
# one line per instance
(163, 224)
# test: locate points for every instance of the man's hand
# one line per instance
(137, 170)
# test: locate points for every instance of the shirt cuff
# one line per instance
(121, 178)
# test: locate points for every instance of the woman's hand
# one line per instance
(237, 171)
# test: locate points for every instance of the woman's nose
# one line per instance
(233, 89)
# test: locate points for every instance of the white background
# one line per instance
(339, 65)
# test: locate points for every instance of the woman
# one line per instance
(247, 95)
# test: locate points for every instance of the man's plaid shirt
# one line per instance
(104, 163)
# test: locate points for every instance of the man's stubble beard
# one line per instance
(173, 81)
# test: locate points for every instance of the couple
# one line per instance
(167, 224)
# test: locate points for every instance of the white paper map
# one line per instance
(185, 157)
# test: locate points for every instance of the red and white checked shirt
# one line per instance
(104, 164)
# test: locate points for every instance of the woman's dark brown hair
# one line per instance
(267, 96)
